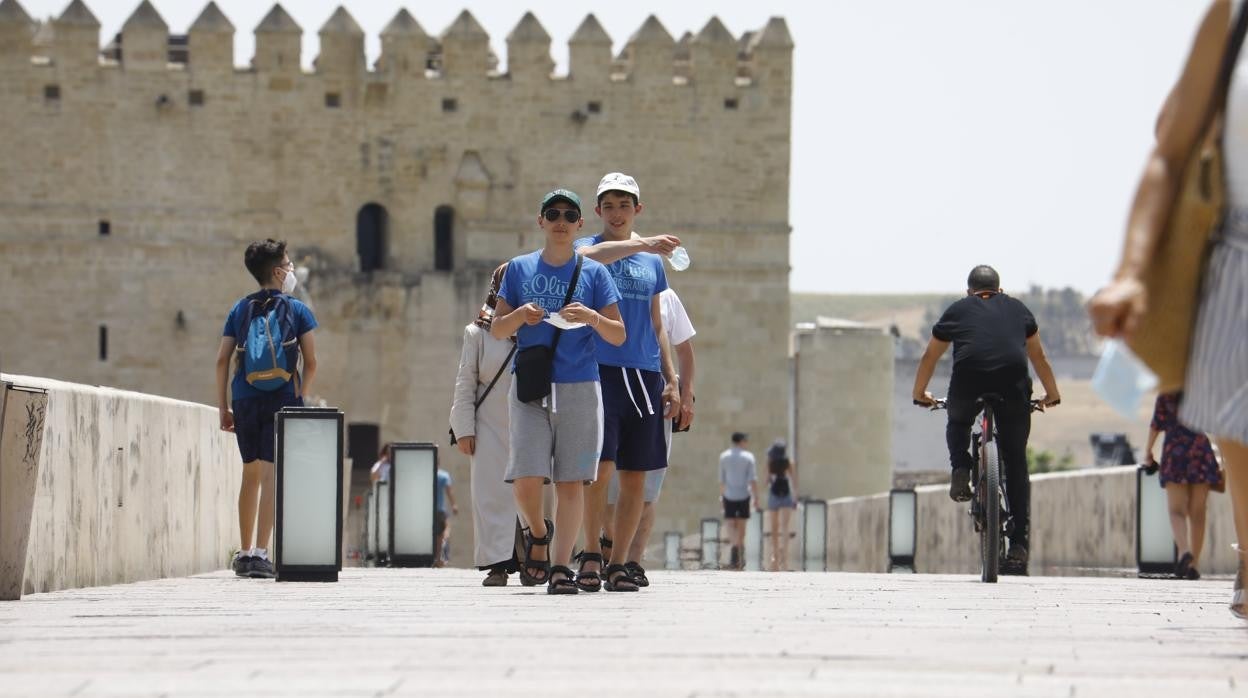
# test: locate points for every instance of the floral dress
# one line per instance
(1187, 456)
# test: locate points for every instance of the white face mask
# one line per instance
(290, 282)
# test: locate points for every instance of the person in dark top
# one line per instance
(993, 337)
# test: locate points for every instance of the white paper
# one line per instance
(558, 321)
(1121, 379)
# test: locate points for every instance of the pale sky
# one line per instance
(928, 135)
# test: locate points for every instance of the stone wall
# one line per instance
(1081, 519)
(183, 164)
(130, 487)
(844, 410)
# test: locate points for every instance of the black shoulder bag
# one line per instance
(535, 365)
(477, 405)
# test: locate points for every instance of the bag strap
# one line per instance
(488, 388)
(1239, 29)
(576, 276)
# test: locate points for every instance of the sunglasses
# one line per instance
(569, 215)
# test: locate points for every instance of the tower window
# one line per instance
(444, 238)
(52, 93)
(450, 104)
(106, 228)
(103, 342)
(333, 100)
(730, 104)
(370, 236)
(195, 98)
(594, 107)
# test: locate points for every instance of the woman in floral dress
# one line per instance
(1189, 469)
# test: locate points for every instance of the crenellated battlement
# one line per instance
(461, 52)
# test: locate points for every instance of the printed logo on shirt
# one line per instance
(635, 280)
(547, 291)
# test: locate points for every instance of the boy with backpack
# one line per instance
(268, 331)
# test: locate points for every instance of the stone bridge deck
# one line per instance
(437, 633)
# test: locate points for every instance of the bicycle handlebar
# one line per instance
(941, 403)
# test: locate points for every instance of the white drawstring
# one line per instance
(642, 383)
(629, 388)
(554, 401)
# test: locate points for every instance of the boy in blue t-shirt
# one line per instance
(640, 391)
(254, 408)
(556, 438)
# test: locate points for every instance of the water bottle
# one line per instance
(679, 259)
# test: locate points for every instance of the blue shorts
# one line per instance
(632, 408)
(254, 420)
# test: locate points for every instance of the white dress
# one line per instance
(1215, 399)
(493, 509)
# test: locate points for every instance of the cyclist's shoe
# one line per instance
(1015, 562)
(960, 485)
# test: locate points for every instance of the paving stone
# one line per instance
(703, 634)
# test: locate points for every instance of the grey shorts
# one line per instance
(654, 478)
(557, 439)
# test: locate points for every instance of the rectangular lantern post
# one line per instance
(903, 508)
(1154, 544)
(710, 544)
(754, 542)
(814, 536)
(308, 543)
(671, 550)
(413, 491)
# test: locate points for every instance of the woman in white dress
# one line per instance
(482, 432)
(1216, 392)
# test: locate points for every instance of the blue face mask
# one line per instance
(1121, 379)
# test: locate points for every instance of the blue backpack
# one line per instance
(268, 350)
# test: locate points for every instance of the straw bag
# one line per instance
(1173, 277)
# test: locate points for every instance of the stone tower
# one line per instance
(130, 188)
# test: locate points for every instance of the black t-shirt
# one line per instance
(989, 337)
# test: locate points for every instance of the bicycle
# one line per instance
(987, 479)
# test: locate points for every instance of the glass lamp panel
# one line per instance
(309, 492)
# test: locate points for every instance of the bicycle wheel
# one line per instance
(990, 501)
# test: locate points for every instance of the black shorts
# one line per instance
(254, 420)
(439, 523)
(634, 435)
(736, 508)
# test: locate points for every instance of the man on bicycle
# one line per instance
(993, 336)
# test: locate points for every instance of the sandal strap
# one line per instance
(584, 557)
(569, 577)
(605, 542)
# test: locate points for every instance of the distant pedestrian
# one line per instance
(380, 472)
(444, 508)
(1189, 469)
(738, 489)
(480, 421)
(781, 501)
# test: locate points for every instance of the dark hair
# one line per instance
(386, 451)
(739, 436)
(983, 278)
(619, 191)
(263, 257)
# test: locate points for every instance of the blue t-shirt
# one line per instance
(529, 279)
(639, 278)
(304, 321)
(444, 481)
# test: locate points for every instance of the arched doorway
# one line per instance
(371, 225)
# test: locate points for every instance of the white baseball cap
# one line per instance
(618, 181)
